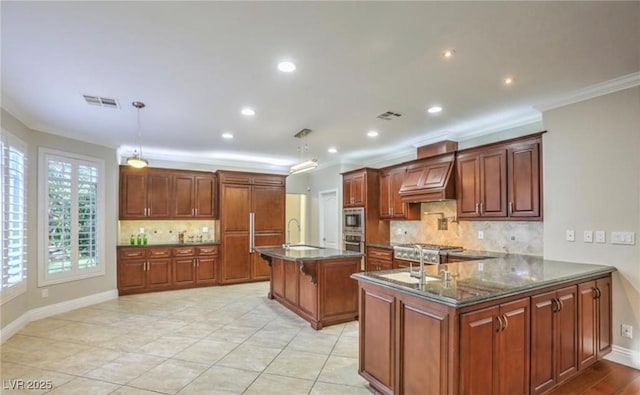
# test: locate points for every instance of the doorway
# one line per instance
(329, 223)
(296, 208)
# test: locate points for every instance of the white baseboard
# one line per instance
(47, 311)
(624, 356)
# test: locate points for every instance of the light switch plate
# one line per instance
(571, 235)
(480, 235)
(588, 236)
(600, 236)
(626, 238)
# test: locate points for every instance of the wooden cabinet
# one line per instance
(501, 181)
(428, 180)
(496, 337)
(594, 322)
(353, 190)
(184, 266)
(554, 333)
(207, 265)
(378, 259)
(144, 193)
(391, 205)
(251, 214)
(154, 193)
(194, 196)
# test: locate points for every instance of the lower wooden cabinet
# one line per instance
(494, 349)
(147, 269)
(554, 335)
(378, 259)
(594, 323)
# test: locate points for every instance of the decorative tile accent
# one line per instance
(166, 232)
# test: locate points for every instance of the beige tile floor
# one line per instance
(216, 340)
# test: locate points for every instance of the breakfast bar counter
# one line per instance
(314, 283)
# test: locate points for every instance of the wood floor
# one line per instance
(602, 378)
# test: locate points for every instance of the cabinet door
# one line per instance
(346, 192)
(478, 352)
(131, 274)
(278, 279)
(205, 197)
(159, 195)
(133, 194)
(377, 334)
(260, 269)
(236, 206)
(567, 334)
(385, 196)
(468, 186)
(524, 180)
(543, 357)
(604, 315)
(236, 265)
(159, 273)
(206, 270)
(268, 204)
(513, 349)
(358, 190)
(183, 187)
(493, 184)
(184, 271)
(587, 324)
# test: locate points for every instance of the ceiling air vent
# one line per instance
(389, 115)
(101, 101)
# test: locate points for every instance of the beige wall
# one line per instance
(592, 182)
(75, 289)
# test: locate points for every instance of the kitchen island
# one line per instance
(314, 282)
(512, 324)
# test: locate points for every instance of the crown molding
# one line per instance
(502, 126)
(590, 92)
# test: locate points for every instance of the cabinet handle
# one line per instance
(510, 207)
(598, 293)
(196, 211)
(480, 208)
(500, 324)
(555, 307)
(560, 304)
(506, 322)
(477, 210)
(595, 292)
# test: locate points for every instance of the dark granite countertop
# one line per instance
(306, 255)
(476, 254)
(489, 279)
(204, 243)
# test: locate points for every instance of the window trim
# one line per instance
(9, 293)
(44, 278)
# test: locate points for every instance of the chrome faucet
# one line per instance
(287, 243)
(420, 274)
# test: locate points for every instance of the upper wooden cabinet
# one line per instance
(391, 205)
(429, 179)
(353, 189)
(154, 193)
(501, 181)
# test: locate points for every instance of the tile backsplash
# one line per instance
(519, 237)
(160, 232)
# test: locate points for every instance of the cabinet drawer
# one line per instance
(380, 253)
(184, 251)
(132, 253)
(159, 252)
(207, 250)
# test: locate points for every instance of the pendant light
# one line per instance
(137, 160)
(304, 165)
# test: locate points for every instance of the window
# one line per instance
(71, 219)
(13, 224)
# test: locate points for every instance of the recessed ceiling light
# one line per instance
(508, 80)
(286, 67)
(248, 111)
(227, 135)
(332, 150)
(372, 133)
(434, 109)
(447, 54)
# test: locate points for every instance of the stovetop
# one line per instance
(426, 246)
(430, 252)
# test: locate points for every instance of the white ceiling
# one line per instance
(196, 64)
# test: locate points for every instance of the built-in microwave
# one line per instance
(353, 220)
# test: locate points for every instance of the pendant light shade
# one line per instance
(304, 165)
(137, 160)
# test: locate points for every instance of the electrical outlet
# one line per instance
(588, 236)
(600, 236)
(141, 231)
(571, 235)
(480, 235)
(45, 293)
(626, 331)
(628, 238)
(205, 229)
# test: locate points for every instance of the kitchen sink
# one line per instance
(303, 248)
(404, 277)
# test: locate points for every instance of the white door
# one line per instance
(329, 219)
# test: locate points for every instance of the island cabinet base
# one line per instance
(321, 291)
(519, 344)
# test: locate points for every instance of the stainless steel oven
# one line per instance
(354, 242)
(353, 220)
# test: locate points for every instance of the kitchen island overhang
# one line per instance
(315, 283)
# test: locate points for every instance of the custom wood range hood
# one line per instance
(431, 177)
